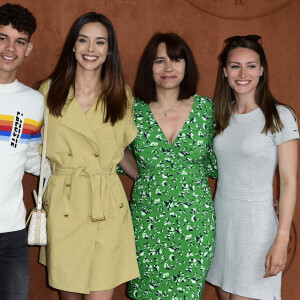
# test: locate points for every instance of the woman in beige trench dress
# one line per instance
(91, 246)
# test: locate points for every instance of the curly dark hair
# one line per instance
(18, 17)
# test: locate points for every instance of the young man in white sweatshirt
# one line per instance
(21, 114)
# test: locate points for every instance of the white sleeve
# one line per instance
(290, 130)
(33, 161)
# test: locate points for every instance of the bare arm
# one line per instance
(128, 164)
(288, 161)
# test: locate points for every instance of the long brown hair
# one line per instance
(224, 94)
(144, 86)
(113, 94)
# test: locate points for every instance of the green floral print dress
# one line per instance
(172, 208)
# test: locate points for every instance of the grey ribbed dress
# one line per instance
(246, 223)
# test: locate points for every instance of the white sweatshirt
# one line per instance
(21, 115)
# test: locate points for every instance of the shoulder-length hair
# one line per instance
(177, 48)
(224, 94)
(113, 94)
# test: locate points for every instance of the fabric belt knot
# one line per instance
(98, 180)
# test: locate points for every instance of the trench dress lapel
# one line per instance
(74, 118)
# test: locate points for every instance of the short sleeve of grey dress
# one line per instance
(246, 223)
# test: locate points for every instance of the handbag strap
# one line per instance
(41, 182)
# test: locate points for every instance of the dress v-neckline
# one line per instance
(85, 113)
(179, 132)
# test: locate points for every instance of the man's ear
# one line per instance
(29, 49)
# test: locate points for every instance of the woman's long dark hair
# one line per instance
(113, 94)
(263, 97)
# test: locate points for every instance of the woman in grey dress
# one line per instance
(254, 132)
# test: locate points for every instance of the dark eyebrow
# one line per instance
(159, 57)
(23, 39)
(249, 62)
(20, 38)
(98, 38)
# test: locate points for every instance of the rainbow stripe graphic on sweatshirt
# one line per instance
(16, 129)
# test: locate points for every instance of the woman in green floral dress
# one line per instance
(172, 208)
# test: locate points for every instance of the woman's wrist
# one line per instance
(283, 236)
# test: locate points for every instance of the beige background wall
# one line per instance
(204, 25)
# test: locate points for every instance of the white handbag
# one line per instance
(37, 233)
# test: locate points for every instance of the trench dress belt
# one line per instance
(98, 180)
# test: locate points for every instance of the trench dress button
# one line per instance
(70, 153)
(66, 215)
(46, 203)
(121, 205)
(96, 154)
(98, 219)
(68, 184)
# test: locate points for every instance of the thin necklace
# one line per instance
(165, 111)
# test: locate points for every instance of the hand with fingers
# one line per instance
(276, 258)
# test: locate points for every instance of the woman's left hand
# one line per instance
(277, 257)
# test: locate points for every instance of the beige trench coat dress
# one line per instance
(90, 235)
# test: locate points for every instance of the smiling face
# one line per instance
(167, 73)
(91, 47)
(14, 46)
(243, 71)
